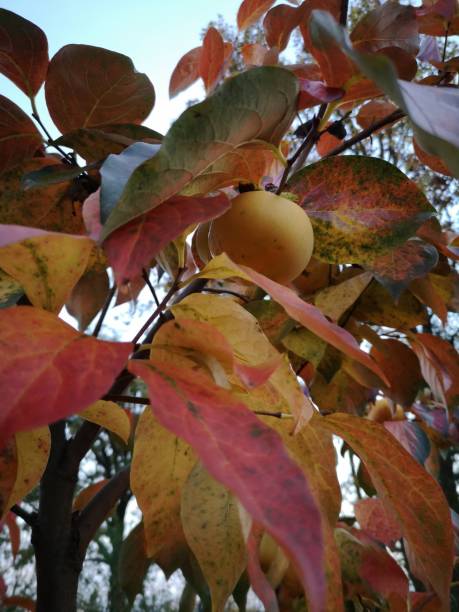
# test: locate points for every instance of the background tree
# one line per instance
(233, 468)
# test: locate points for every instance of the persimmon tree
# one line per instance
(244, 381)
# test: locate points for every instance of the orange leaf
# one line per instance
(20, 602)
(278, 24)
(250, 11)
(48, 370)
(85, 495)
(257, 55)
(23, 52)
(211, 59)
(431, 161)
(19, 137)
(110, 416)
(409, 493)
(247, 457)
(100, 86)
(186, 72)
(14, 531)
(373, 111)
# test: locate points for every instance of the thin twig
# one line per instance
(354, 476)
(305, 147)
(347, 144)
(149, 284)
(160, 308)
(443, 55)
(67, 158)
(129, 399)
(99, 323)
(227, 291)
(27, 517)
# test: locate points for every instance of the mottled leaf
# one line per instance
(212, 528)
(368, 208)
(250, 11)
(374, 519)
(189, 404)
(396, 269)
(88, 86)
(32, 452)
(432, 110)
(19, 138)
(161, 463)
(133, 246)
(23, 52)
(186, 72)
(48, 208)
(240, 111)
(409, 493)
(341, 393)
(411, 437)
(47, 266)
(46, 366)
(333, 301)
(110, 416)
(305, 344)
(306, 314)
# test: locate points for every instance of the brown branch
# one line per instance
(27, 517)
(347, 144)
(100, 321)
(343, 12)
(304, 150)
(95, 512)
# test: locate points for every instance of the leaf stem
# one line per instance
(304, 149)
(67, 158)
(27, 517)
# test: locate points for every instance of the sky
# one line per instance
(153, 33)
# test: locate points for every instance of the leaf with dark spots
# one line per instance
(19, 138)
(399, 267)
(89, 86)
(23, 52)
(258, 470)
(238, 112)
(43, 357)
(360, 207)
(133, 246)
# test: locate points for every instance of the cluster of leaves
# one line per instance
(233, 465)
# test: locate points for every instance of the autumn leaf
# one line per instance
(98, 86)
(43, 357)
(299, 310)
(258, 55)
(19, 138)
(369, 207)
(250, 11)
(425, 520)
(412, 437)
(374, 111)
(431, 161)
(333, 301)
(31, 456)
(210, 521)
(211, 59)
(110, 416)
(278, 25)
(134, 563)
(190, 405)
(160, 466)
(8, 471)
(204, 133)
(134, 245)
(374, 519)
(186, 72)
(88, 296)
(47, 265)
(86, 494)
(23, 52)
(14, 533)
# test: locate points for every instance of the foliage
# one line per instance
(250, 381)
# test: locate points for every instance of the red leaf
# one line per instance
(211, 59)
(15, 533)
(23, 52)
(48, 370)
(17, 601)
(431, 161)
(258, 55)
(250, 11)
(19, 138)
(99, 86)
(373, 111)
(258, 579)
(315, 92)
(376, 521)
(411, 437)
(247, 457)
(279, 23)
(186, 72)
(134, 245)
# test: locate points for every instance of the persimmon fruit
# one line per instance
(265, 232)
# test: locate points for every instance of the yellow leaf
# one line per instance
(335, 300)
(161, 464)
(47, 266)
(212, 528)
(32, 450)
(110, 416)
(250, 346)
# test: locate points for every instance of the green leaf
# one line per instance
(359, 207)
(258, 104)
(432, 110)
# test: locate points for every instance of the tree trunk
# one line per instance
(54, 537)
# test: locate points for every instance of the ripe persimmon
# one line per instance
(266, 232)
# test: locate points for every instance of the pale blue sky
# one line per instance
(154, 33)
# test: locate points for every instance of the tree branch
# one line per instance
(347, 144)
(95, 512)
(27, 517)
(100, 321)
